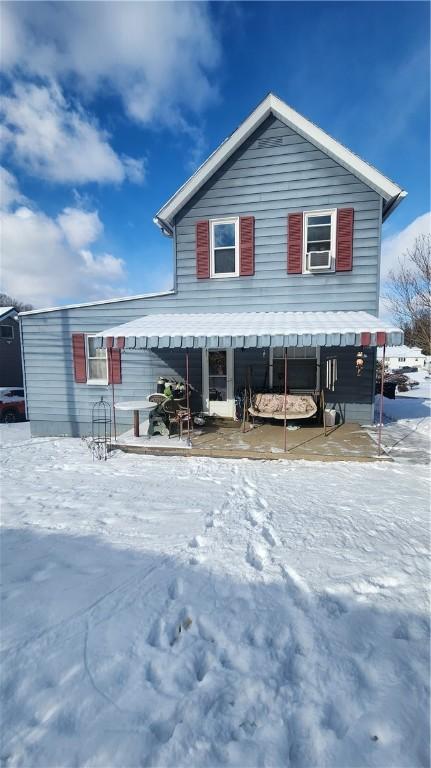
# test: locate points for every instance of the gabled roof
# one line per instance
(6, 312)
(272, 105)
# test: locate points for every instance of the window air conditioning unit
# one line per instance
(318, 260)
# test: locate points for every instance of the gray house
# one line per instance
(276, 245)
(10, 348)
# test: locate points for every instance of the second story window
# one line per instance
(319, 241)
(224, 234)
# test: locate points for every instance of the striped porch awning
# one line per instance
(251, 329)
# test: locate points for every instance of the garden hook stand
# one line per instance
(100, 430)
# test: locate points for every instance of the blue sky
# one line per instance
(109, 107)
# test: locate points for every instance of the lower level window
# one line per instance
(6, 332)
(301, 368)
(97, 363)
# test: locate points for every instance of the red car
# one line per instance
(12, 404)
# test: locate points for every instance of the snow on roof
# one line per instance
(99, 302)
(271, 104)
(4, 311)
(402, 351)
(252, 329)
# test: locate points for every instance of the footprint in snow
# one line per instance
(401, 632)
(196, 542)
(269, 536)
(156, 635)
(255, 556)
(196, 560)
(251, 518)
(175, 589)
(334, 608)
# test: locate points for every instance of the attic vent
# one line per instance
(270, 141)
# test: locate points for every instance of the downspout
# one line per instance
(168, 231)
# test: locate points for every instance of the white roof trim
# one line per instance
(273, 105)
(5, 312)
(251, 329)
(97, 303)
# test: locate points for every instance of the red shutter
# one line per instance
(79, 362)
(344, 248)
(365, 339)
(246, 246)
(114, 366)
(294, 243)
(381, 338)
(202, 249)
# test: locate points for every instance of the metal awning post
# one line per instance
(188, 398)
(111, 371)
(285, 400)
(382, 376)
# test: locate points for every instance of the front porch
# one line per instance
(226, 439)
(319, 364)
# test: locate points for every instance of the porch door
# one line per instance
(218, 386)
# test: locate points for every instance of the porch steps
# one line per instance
(218, 453)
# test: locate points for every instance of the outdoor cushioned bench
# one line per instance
(271, 406)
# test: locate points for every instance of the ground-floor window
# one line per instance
(301, 368)
(97, 363)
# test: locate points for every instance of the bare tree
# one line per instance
(408, 293)
(8, 301)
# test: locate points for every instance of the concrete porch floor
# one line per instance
(345, 442)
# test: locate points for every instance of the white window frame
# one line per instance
(228, 220)
(401, 359)
(95, 382)
(12, 333)
(332, 212)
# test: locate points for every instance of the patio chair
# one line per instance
(157, 417)
(177, 415)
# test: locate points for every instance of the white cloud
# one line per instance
(156, 56)
(394, 246)
(105, 266)
(134, 168)
(9, 192)
(46, 260)
(80, 227)
(53, 140)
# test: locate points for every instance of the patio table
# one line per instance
(135, 406)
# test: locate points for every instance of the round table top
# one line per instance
(135, 405)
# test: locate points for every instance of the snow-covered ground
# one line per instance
(407, 421)
(199, 612)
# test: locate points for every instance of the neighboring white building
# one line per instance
(396, 357)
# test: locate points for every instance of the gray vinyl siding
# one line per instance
(57, 405)
(269, 182)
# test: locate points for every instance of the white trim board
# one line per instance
(97, 303)
(6, 312)
(271, 104)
